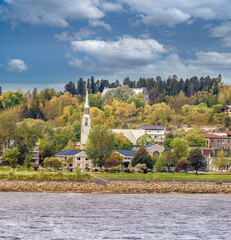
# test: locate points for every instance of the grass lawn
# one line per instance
(183, 176)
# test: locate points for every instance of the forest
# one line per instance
(54, 118)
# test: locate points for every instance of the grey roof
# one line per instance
(69, 152)
(126, 153)
(153, 127)
(150, 145)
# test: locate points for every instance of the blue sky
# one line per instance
(49, 43)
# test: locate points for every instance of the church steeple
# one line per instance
(86, 107)
(86, 122)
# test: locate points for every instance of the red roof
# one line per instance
(216, 136)
(206, 152)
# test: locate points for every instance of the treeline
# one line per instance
(157, 88)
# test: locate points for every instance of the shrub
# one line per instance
(218, 182)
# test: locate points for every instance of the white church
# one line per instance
(80, 158)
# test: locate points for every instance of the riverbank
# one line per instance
(113, 187)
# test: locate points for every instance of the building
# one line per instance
(79, 156)
(213, 156)
(127, 157)
(157, 133)
(35, 154)
(226, 110)
(154, 149)
(86, 123)
(216, 141)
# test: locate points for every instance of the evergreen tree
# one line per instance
(81, 84)
(71, 88)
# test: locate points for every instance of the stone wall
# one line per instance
(115, 187)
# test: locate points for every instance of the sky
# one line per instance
(49, 43)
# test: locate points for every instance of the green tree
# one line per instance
(52, 162)
(180, 148)
(10, 157)
(142, 156)
(100, 145)
(71, 88)
(166, 161)
(8, 120)
(144, 140)
(81, 85)
(27, 161)
(26, 135)
(195, 139)
(197, 160)
(168, 139)
(222, 161)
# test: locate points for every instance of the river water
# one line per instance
(114, 216)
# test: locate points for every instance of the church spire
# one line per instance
(86, 107)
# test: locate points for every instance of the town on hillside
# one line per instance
(149, 125)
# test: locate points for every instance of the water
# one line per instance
(106, 216)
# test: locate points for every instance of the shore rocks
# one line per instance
(113, 187)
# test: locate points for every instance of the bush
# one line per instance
(218, 182)
(115, 169)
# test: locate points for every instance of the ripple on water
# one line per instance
(103, 216)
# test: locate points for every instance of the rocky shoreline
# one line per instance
(113, 187)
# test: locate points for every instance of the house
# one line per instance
(217, 141)
(157, 133)
(35, 154)
(226, 110)
(79, 156)
(213, 156)
(127, 157)
(154, 149)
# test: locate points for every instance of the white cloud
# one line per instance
(16, 65)
(127, 53)
(53, 12)
(223, 31)
(165, 12)
(158, 17)
(108, 7)
(99, 23)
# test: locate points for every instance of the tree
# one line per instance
(121, 142)
(182, 165)
(222, 161)
(100, 144)
(71, 88)
(197, 160)
(10, 157)
(8, 120)
(144, 140)
(114, 160)
(168, 139)
(26, 135)
(81, 84)
(180, 148)
(52, 162)
(165, 161)
(195, 139)
(142, 156)
(27, 161)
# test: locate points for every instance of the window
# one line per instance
(86, 165)
(86, 159)
(78, 165)
(78, 158)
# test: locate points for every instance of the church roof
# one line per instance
(126, 153)
(69, 152)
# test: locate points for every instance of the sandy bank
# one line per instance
(113, 187)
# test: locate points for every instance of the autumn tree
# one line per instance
(100, 144)
(115, 159)
(10, 157)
